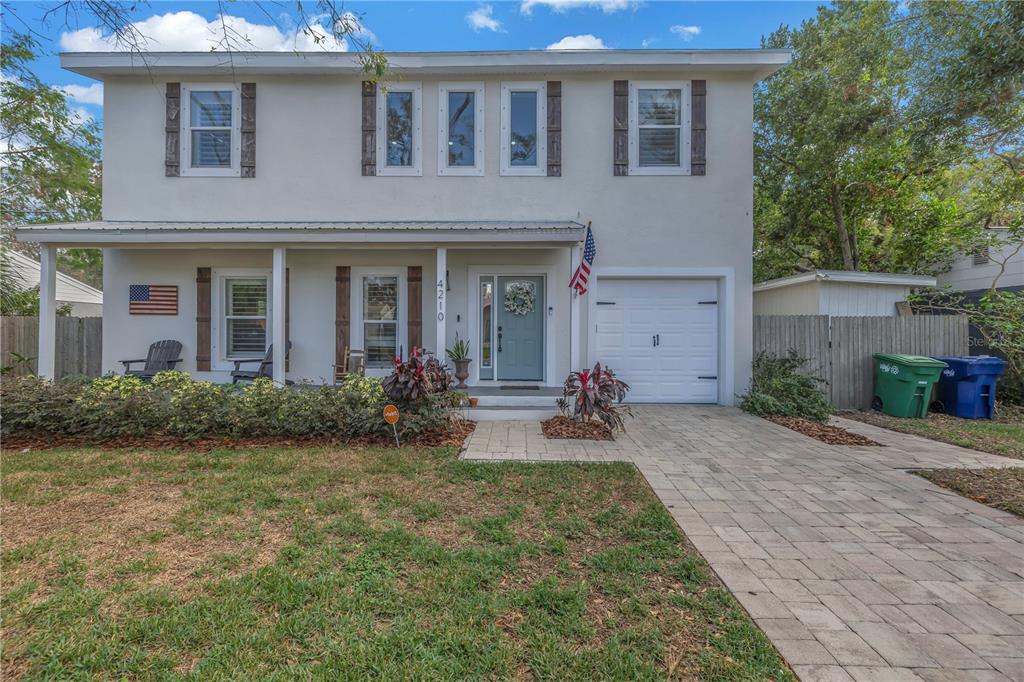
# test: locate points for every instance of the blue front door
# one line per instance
(520, 328)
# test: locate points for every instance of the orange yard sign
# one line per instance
(391, 417)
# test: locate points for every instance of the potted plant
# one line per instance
(459, 354)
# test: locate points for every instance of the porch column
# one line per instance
(575, 255)
(47, 311)
(277, 334)
(442, 302)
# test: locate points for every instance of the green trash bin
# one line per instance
(903, 383)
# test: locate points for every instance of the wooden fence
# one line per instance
(79, 345)
(839, 349)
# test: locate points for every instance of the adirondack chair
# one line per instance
(265, 369)
(162, 356)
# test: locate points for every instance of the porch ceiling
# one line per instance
(376, 232)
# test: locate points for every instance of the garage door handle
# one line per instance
(707, 302)
(654, 340)
(707, 378)
(606, 303)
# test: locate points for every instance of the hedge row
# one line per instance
(174, 404)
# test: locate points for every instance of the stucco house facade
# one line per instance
(287, 198)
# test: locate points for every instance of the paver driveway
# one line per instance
(855, 568)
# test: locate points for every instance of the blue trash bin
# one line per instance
(967, 387)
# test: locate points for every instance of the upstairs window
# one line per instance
(399, 130)
(211, 140)
(659, 128)
(461, 130)
(524, 129)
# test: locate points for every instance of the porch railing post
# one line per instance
(47, 356)
(278, 336)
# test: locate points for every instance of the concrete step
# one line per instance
(516, 400)
(498, 413)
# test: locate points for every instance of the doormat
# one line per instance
(520, 388)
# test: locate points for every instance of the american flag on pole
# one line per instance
(582, 274)
(152, 299)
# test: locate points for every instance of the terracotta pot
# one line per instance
(473, 401)
(462, 372)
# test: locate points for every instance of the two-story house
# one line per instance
(265, 197)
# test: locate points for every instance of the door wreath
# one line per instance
(520, 297)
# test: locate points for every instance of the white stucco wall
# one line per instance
(312, 299)
(308, 168)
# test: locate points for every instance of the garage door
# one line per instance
(661, 337)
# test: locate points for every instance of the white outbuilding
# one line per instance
(839, 293)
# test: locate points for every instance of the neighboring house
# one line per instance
(974, 273)
(85, 301)
(838, 293)
(285, 197)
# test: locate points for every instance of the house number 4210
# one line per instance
(440, 300)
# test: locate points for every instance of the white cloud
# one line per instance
(483, 18)
(687, 33)
(86, 94)
(606, 6)
(583, 42)
(189, 32)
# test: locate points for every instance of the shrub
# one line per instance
(595, 392)
(420, 376)
(174, 404)
(777, 388)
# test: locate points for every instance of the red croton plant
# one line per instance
(590, 393)
(419, 376)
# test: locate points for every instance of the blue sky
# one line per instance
(398, 26)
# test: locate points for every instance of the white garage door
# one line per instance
(661, 337)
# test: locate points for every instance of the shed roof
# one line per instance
(849, 277)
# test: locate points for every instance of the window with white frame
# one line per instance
(245, 315)
(460, 149)
(379, 317)
(399, 130)
(659, 128)
(211, 138)
(524, 129)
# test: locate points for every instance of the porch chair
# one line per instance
(162, 356)
(353, 362)
(265, 369)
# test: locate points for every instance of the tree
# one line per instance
(880, 146)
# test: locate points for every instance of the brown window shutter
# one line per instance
(620, 124)
(554, 128)
(369, 160)
(698, 126)
(415, 312)
(203, 319)
(342, 299)
(287, 317)
(248, 159)
(172, 131)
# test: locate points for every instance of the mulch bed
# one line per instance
(564, 428)
(452, 437)
(999, 488)
(833, 435)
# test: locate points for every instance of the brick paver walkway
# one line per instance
(855, 568)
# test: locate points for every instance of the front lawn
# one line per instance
(1001, 436)
(349, 564)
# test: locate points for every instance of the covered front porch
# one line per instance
(314, 292)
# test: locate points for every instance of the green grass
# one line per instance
(1002, 436)
(332, 564)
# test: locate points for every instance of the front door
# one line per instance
(520, 328)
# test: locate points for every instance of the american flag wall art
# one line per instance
(152, 299)
(582, 274)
